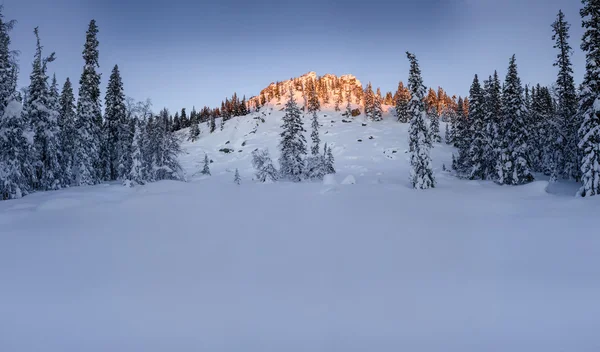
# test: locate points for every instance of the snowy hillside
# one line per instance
(207, 265)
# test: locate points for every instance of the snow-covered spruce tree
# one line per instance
(329, 161)
(66, 125)
(16, 171)
(114, 117)
(314, 135)
(293, 143)
(549, 134)
(461, 138)
(589, 101)
(369, 102)
(315, 163)
(89, 115)
(449, 116)
(265, 171)
(377, 109)
(476, 162)
(213, 125)
(194, 131)
(206, 166)
(514, 168)
(421, 174)
(537, 126)
(166, 162)
(41, 111)
(403, 103)
(493, 129)
(533, 118)
(568, 121)
(136, 174)
(126, 132)
(236, 178)
(7, 66)
(185, 122)
(434, 124)
(447, 133)
(313, 97)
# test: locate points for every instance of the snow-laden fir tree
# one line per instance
(66, 125)
(126, 132)
(136, 174)
(117, 143)
(461, 138)
(313, 97)
(212, 125)
(493, 128)
(377, 109)
(166, 156)
(314, 135)
(194, 131)
(449, 116)
(41, 110)
(16, 171)
(403, 103)
(369, 102)
(549, 134)
(461, 126)
(329, 161)
(434, 124)
(589, 101)
(185, 122)
(206, 166)
(535, 127)
(315, 163)
(421, 174)
(476, 161)
(8, 68)
(447, 133)
(236, 178)
(265, 171)
(89, 115)
(568, 121)
(293, 143)
(514, 168)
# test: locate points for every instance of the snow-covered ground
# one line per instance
(373, 266)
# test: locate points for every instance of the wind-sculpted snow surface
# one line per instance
(208, 265)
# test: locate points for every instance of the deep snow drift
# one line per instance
(373, 266)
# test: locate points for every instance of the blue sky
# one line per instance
(184, 53)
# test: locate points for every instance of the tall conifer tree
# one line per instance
(476, 162)
(66, 124)
(568, 122)
(89, 117)
(421, 175)
(117, 140)
(515, 167)
(402, 103)
(589, 101)
(293, 142)
(42, 112)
